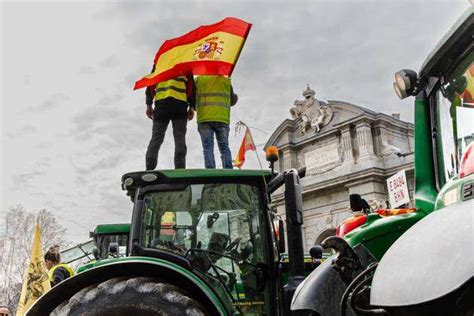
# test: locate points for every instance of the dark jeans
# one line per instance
(160, 124)
(221, 130)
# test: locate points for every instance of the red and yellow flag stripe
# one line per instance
(207, 50)
(247, 144)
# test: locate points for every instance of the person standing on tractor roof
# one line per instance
(173, 102)
(58, 271)
(214, 97)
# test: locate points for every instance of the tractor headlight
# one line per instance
(128, 182)
(405, 83)
(149, 177)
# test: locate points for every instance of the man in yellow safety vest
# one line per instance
(214, 97)
(58, 271)
(174, 101)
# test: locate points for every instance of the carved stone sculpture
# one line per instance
(312, 113)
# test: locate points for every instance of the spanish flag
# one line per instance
(208, 50)
(35, 280)
(247, 144)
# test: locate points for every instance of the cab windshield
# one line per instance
(215, 226)
(103, 242)
(455, 119)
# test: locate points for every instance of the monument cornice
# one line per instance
(382, 118)
(287, 123)
(375, 173)
(367, 175)
(367, 117)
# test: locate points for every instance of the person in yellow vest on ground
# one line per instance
(58, 271)
(173, 102)
(214, 97)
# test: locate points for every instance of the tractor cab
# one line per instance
(111, 240)
(212, 223)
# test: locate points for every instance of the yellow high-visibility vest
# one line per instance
(61, 265)
(213, 99)
(175, 88)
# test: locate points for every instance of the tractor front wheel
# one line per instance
(130, 296)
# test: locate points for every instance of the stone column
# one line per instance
(346, 144)
(288, 160)
(364, 139)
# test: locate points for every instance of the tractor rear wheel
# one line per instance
(130, 296)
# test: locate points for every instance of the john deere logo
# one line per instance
(211, 48)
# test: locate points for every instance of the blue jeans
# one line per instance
(207, 131)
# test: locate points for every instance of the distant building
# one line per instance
(346, 149)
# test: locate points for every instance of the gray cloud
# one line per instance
(22, 131)
(109, 62)
(25, 179)
(102, 163)
(87, 70)
(50, 103)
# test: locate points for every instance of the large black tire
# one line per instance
(130, 296)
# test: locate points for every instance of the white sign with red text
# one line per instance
(398, 189)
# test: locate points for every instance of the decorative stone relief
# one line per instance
(346, 144)
(312, 113)
(322, 159)
(364, 139)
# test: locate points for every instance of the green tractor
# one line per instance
(111, 240)
(415, 261)
(107, 240)
(201, 242)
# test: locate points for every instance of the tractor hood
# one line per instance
(433, 258)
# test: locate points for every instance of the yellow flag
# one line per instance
(35, 280)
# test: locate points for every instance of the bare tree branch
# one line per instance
(15, 247)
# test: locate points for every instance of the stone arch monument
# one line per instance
(346, 149)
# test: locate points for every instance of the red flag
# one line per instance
(208, 50)
(247, 144)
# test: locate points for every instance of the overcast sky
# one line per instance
(71, 124)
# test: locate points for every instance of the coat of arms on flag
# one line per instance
(211, 48)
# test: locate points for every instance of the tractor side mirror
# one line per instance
(293, 198)
(281, 237)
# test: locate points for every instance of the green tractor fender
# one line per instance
(162, 270)
(433, 259)
(323, 289)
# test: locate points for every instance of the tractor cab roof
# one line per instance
(133, 180)
(112, 229)
(453, 47)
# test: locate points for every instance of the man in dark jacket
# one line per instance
(174, 101)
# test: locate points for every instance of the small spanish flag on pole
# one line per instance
(208, 50)
(247, 144)
(35, 280)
